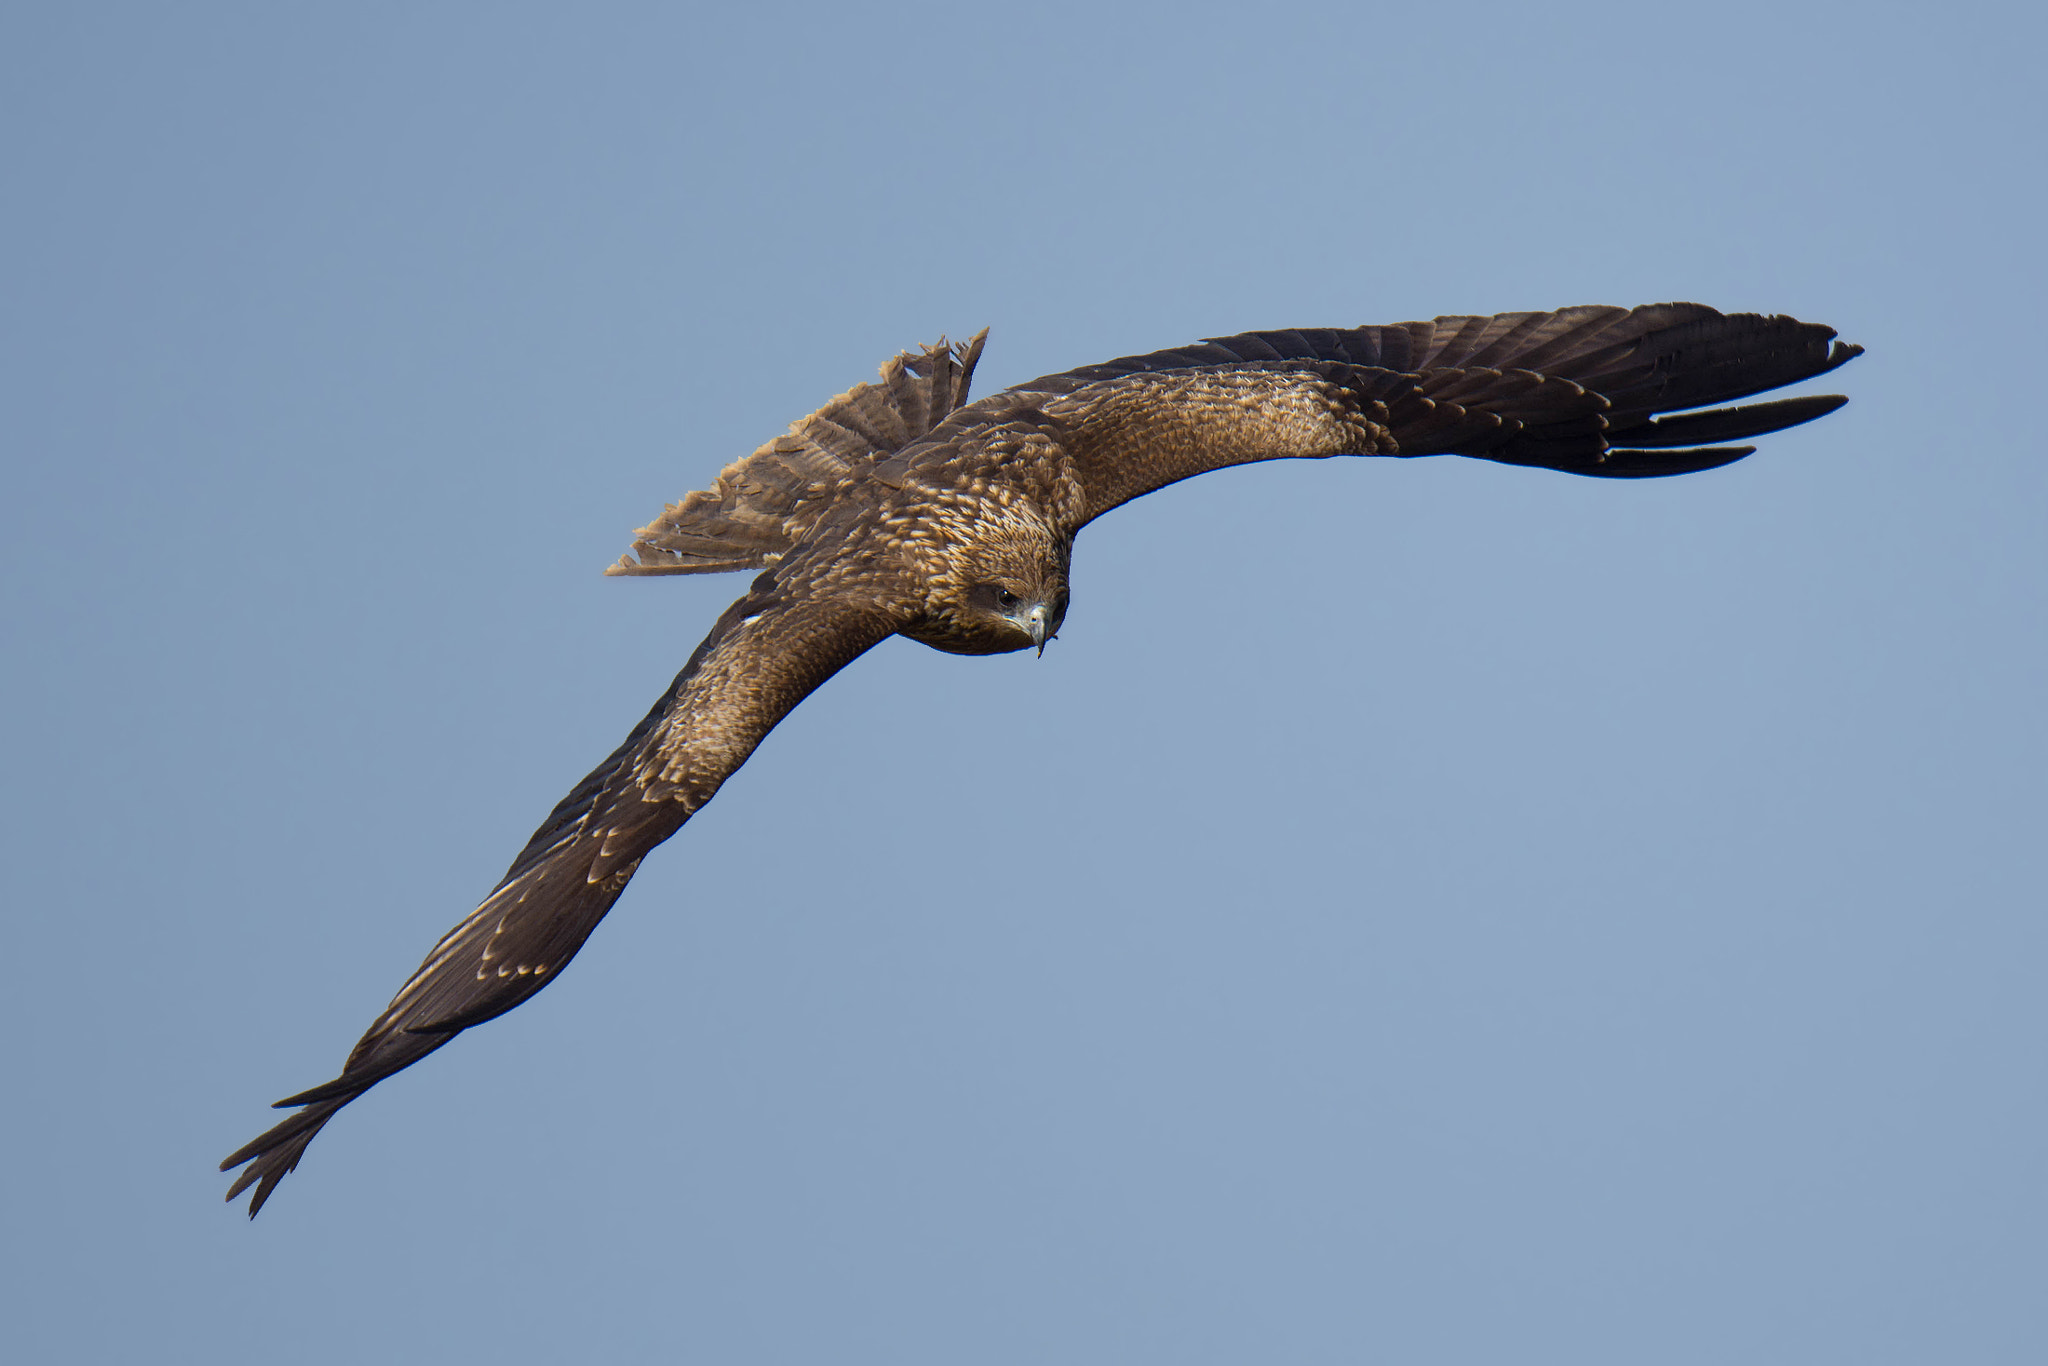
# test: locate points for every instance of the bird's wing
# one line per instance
(766, 654)
(1580, 390)
(763, 505)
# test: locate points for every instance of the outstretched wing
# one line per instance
(766, 654)
(1580, 390)
(763, 505)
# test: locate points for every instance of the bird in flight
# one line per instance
(899, 508)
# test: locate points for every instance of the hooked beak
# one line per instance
(1034, 622)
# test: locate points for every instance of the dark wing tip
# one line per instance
(1723, 424)
(275, 1153)
(1659, 464)
(340, 1086)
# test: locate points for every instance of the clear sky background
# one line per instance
(1419, 912)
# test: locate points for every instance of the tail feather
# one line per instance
(760, 507)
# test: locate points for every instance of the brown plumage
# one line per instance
(900, 509)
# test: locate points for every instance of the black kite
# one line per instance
(900, 509)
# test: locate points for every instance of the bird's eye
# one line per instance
(1007, 598)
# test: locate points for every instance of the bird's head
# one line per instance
(1000, 593)
(1017, 611)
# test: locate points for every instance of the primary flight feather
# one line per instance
(901, 509)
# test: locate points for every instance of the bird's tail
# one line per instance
(761, 506)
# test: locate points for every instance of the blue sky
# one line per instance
(1419, 911)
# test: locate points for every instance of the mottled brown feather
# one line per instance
(898, 507)
(762, 506)
(1566, 390)
(766, 654)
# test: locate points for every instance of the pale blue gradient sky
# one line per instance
(1418, 912)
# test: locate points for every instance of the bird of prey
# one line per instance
(899, 508)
